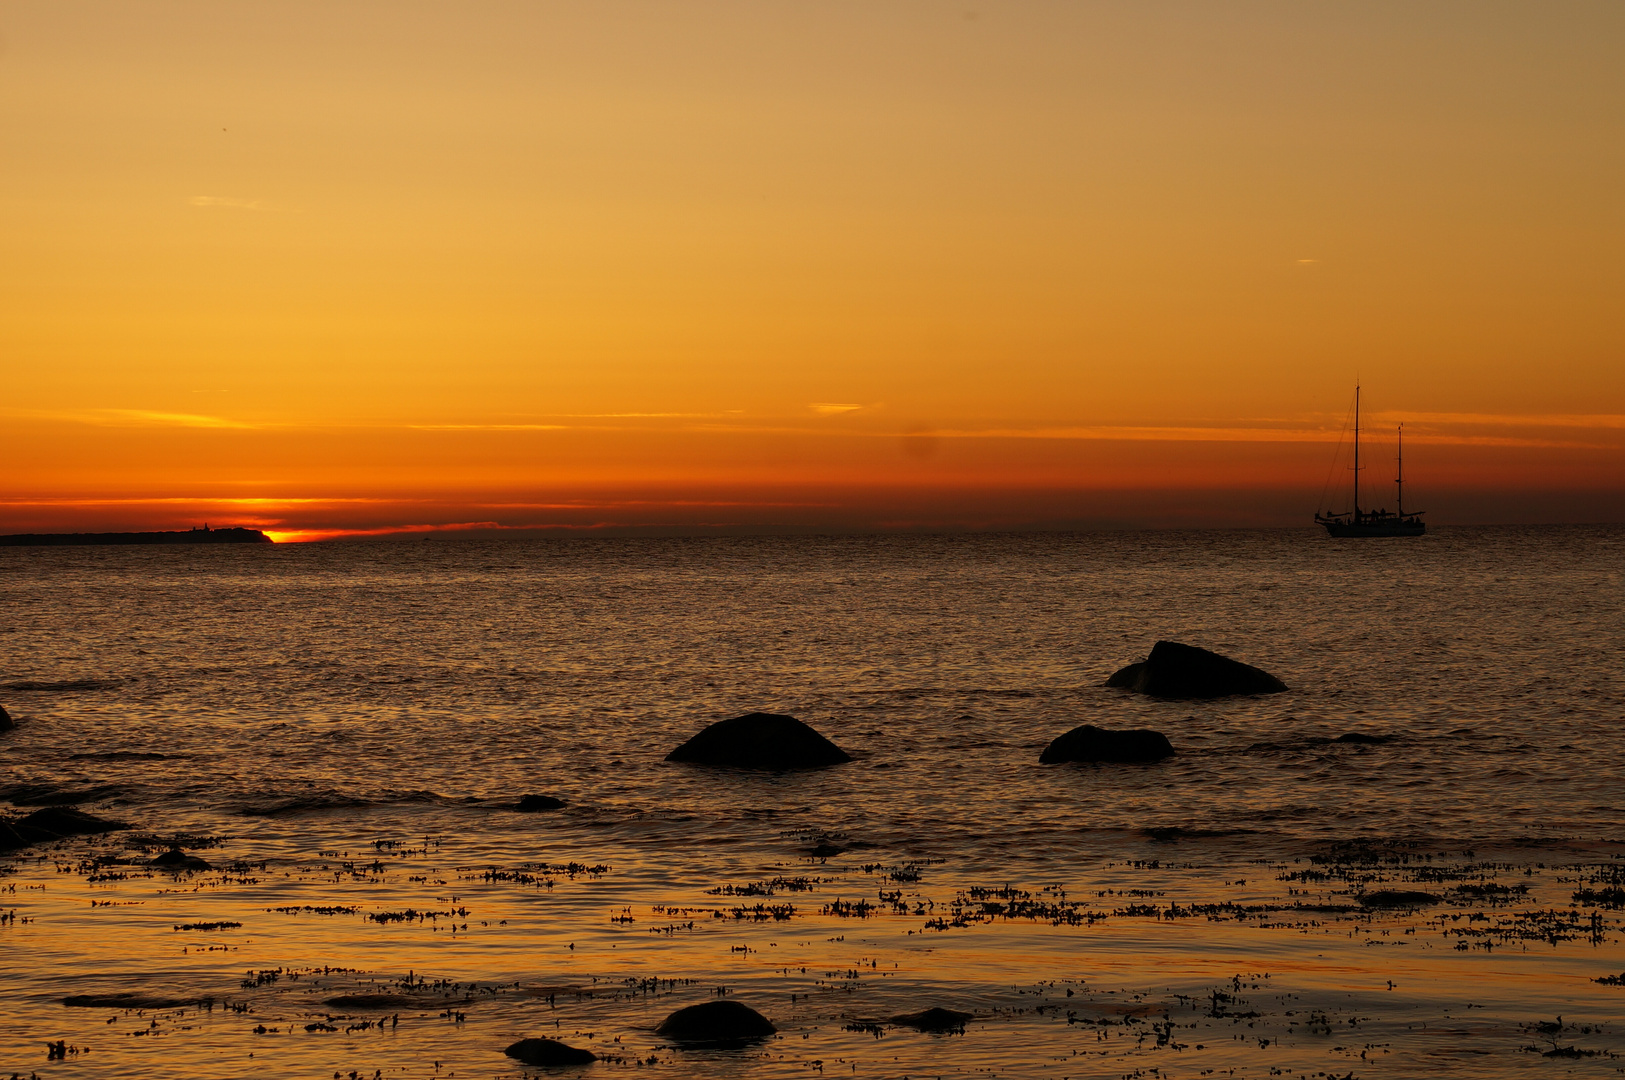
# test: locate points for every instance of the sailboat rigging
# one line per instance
(1383, 522)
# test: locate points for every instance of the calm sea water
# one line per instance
(339, 729)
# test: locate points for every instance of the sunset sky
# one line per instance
(356, 268)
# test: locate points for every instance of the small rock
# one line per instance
(1184, 671)
(376, 1001)
(1361, 738)
(716, 1022)
(531, 804)
(826, 851)
(130, 1000)
(545, 1052)
(176, 859)
(935, 1019)
(6, 722)
(1090, 743)
(760, 741)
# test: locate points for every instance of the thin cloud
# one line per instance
(651, 415)
(1142, 434)
(134, 418)
(1245, 435)
(231, 203)
(202, 501)
(487, 427)
(169, 419)
(530, 426)
(823, 408)
(1581, 420)
(620, 504)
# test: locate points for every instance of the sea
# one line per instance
(335, 736)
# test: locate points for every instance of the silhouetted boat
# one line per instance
(1358, 522)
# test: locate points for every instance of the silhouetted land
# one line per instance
(191, 536)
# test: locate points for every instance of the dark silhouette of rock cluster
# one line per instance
(176, 859)
(546, 1053)
(1090, 743)
(716, 1022)
(934, 1019)
(53, 823)
(760, 741)
(1184, 671)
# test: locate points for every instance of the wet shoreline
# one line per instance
(1137, 952)
(342, 733)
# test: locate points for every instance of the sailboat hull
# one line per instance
(1374, 528)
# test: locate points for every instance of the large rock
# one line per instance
(1090, 743)
(760, 741)
(53, 823)
(549, 1052)
(6, 722)
(716, 1022)
(1184, 671)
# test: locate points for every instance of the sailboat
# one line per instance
(1358, 522)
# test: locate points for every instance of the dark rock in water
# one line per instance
(935, 1019)
(53, 823)
(1361, 738)
(6, 722)
(68, 821)
(377, 1001)
(1397, 898)
(760, 741)
(130, 1000)
(1124, 678)
(1184, 671)
(530, 804)
(35, 686)
(547, 1052)
(1089, 743)
(176, 859)
(1173, 834)
(826, 851)
(716, 1022)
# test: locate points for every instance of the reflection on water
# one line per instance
(340, 730)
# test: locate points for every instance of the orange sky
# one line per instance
(692, 266)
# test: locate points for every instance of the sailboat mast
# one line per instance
(1356, 450)
(1399, 477)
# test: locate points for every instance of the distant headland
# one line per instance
(204, 535)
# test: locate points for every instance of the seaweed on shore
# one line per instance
(767, 888)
